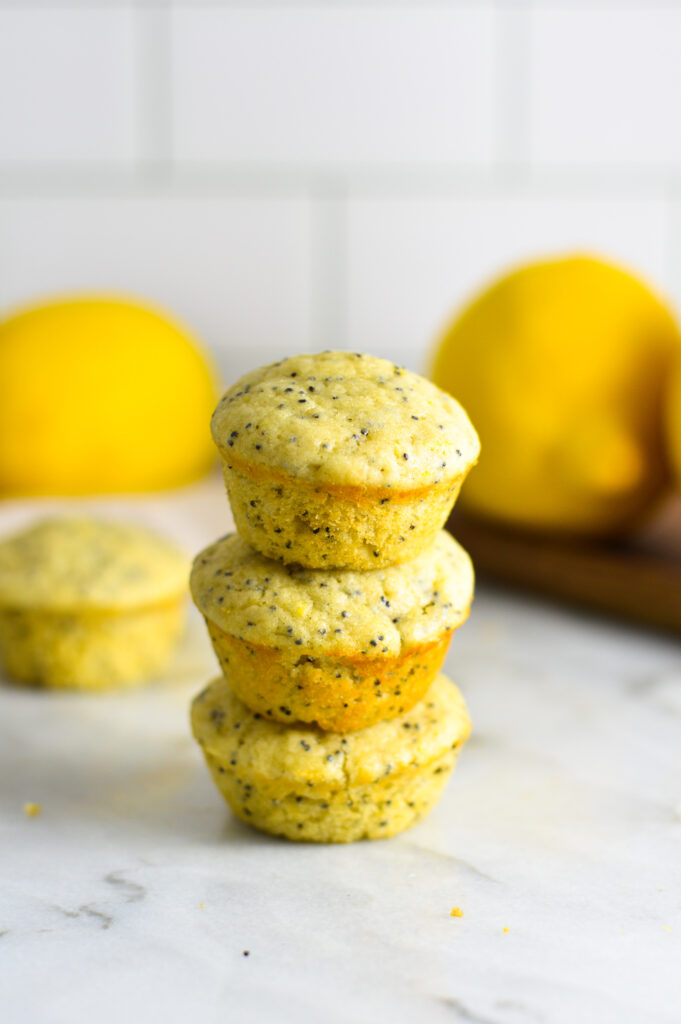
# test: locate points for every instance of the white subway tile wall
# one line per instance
(333, 85)
(287, 176)
(412, 263)
(606, 88)
(236, 270)
(67, 89)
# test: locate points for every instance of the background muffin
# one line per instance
(341, 460)
(89, 604)
(318, 786)
(343, 649)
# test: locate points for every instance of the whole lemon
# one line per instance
(562, 366)
(101, 395)
(673, 419)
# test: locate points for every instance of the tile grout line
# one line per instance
(260, 5)
(328, 270)
(576, 6)
(153, 95)
(512, 99)
(502, 178)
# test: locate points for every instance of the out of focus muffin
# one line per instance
(87, 604)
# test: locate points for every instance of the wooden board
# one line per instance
(638, 580)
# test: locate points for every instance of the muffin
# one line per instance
(310, 785)
(341, 649)
(87, 604)
(340, 460)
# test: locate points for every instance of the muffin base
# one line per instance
(377, 810)
(335, 527)
(337, 694)
(306, 784)
(88, 651)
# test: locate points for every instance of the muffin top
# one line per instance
(78, 563)
(343, 613)
(345, 419)
(302, 756)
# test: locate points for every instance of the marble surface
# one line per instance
(134, 895)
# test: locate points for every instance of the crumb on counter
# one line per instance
(247, 952)
(32, 810)
(456, 912)
(202, 906)
(505, 930)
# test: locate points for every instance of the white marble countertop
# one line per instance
(134, 895)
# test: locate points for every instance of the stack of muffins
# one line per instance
(332, 609)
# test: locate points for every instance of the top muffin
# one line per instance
(341, 460)
(77, 563)
(345, 418)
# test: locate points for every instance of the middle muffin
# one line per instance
(342, 649)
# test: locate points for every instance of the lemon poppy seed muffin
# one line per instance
(341, 460)
(88, 604)
(316, 786)
(343, 649)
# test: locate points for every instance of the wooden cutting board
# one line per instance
(638, 579)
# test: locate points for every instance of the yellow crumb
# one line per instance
(505, 930)
(202, 906)
(456, 912)
(667, 927)
(31, 809)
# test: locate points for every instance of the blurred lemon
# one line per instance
(101, 395)
(674, 420)
(562, 366)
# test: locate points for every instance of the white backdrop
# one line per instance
(293, 176)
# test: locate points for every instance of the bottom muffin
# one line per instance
(326, 787)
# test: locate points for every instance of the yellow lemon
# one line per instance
(673, 419)
(562, 367)
(101, 395)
